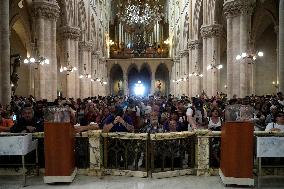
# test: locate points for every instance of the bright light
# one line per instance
(46, 61)
(81, 76)
(98, 79)
(139, 89)
(220, 66)
(92, 80)
(238, 57)
(244, 55)
(209, 67)
(75, 69)
(260, 54)
(254, 57)
(32, 60)
(61, 69)
(139, 82)
(201, 75)
(89, 76)
(104, 82)
(174, 81)
(26, 61)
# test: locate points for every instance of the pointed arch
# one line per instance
(82, 16)
(116, 80)
(162, 78)
(197, 19)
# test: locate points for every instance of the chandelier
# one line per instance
(39, 60)
(214, 65)
(196, 72)
(68, 68)
(135, 13)
(85, 74)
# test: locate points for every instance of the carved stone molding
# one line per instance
(45, 9)
(238, 7)
(69, 32)
(85, 46)
(176, 59)
(183, 53)
(214, 30)
(192, 45)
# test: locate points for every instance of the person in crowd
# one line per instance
(5, 122)
(119, 122)
(174, 124)
(28, 123)
(271, 116)
(280, 98)
(215, 120)
(278, 125)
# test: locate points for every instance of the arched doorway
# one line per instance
(162, 80)
(145, 75)
(133, 78)
(116, 80)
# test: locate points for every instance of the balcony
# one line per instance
(139, 51)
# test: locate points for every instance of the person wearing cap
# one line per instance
(278, 125)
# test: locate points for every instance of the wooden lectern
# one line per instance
(59, 151)
(236, 166)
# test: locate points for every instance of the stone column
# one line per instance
(45, 14)
(281, 46)
(125, 81)
(238, 13)
(153, 83)
(84, 56)
(195, 65)
(203, 156)
(211, 37)
(69, 37)
(5, 85)
(94, 68)
(276, 28)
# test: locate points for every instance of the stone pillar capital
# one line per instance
(194, 45)
(234, 8)
(85, 46)
(45, 9)
(69, 32)
(214, 30)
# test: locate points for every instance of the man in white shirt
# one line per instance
(279, 125)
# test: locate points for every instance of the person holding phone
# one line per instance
(28, 123)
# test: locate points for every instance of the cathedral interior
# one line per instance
(82, 48)
(142, 88)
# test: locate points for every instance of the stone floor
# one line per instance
(112, 182)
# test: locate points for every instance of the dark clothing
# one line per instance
(118, 127)
(22, 124)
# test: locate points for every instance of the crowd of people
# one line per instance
(140, 114)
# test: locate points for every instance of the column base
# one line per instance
(53, 179)
(235, 181)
